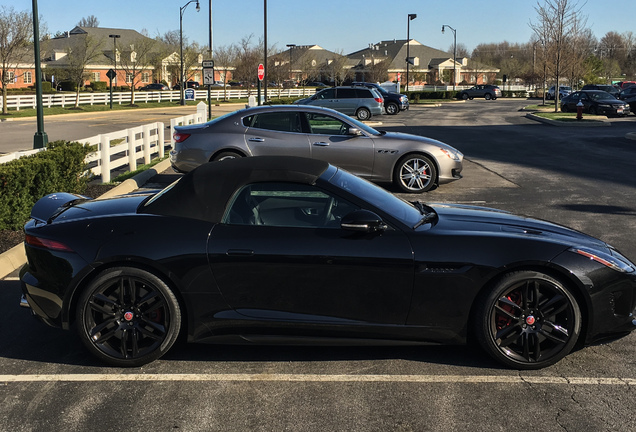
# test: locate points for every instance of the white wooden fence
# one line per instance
(125, 147)
(68, 99)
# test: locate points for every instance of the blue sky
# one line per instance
(333, 24)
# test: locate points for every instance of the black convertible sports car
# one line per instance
(293, 250)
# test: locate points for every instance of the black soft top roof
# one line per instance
(204, 192)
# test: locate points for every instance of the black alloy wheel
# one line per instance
(392, 108)
(128, 317)
(465, 96)
(529, 320)
(488, 96)
(592, 110)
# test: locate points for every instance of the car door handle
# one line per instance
(257, 139)
(321, 144)
(240, 252)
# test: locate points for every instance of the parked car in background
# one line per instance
(155, 87)
(189, 84)
(628, 95)
(485, 91)
(361, 102)
(613, 90)
(595, 102)
(298, 251)
(625, 84)
(412, 162)
(563, 92)
(393, 102)
(316, 84)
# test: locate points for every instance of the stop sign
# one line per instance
(261, 72)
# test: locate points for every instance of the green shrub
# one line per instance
(61, 168)
(46, 86)
(99, 86)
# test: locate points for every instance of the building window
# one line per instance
(28, 78)
(95, 76)
(10, 77)
(145, 77)
(129, 78)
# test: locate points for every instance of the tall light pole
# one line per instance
(291, 47)
(454, 53)
(181, 10)
(264, 51)
(115, 37)
(40, 139)
(408, 46)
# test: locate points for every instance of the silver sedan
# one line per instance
(413, 163)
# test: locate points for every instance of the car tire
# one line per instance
(363, 114)
(465, 96)
(415, 173)
(564, 108)
(226, 156)
(392, 108)
(487, 96)
(528, 320)
(592, 111)
(128, 317)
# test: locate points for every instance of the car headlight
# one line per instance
(604, 106)
(453, 154)
(616, 261)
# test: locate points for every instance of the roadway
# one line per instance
(578, 177)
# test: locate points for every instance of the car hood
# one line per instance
(408, 137)
(487, 220)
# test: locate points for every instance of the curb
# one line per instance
(531, 116)
(15, 258)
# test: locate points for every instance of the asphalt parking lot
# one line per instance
(582, 178)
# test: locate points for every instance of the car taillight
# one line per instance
(46, 243)
(379, 100)
(180, 137)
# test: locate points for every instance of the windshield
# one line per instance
(378, 197)
(600, 95)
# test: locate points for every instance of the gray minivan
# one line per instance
(359, 101)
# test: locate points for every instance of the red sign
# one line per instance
(261, 72)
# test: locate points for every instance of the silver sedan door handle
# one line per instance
(256, 139)
(321, 144)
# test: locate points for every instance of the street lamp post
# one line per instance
(454, 53)
(40, 139)
(291, 47)
(115, 37)
(408, 46)
(181, 73)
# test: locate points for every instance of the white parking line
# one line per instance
(448, 379)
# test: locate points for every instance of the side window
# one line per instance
(287, 205)
(322, 124)
(346, 93)
(326, 94)
(283, 121)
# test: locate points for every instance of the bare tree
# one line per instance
(224, 57)
(15, 36)
(89, 21)
(557, 23)
(336, 68)
(82, 52)
(136, 60)
(378, 71)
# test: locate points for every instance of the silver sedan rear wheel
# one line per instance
(415, 174)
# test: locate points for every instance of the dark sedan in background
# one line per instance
(413, 163)
(628, 95)
(485, 91)
(595, 102)
(285, 250)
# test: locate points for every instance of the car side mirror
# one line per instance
(354, 131)
(363, 221)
